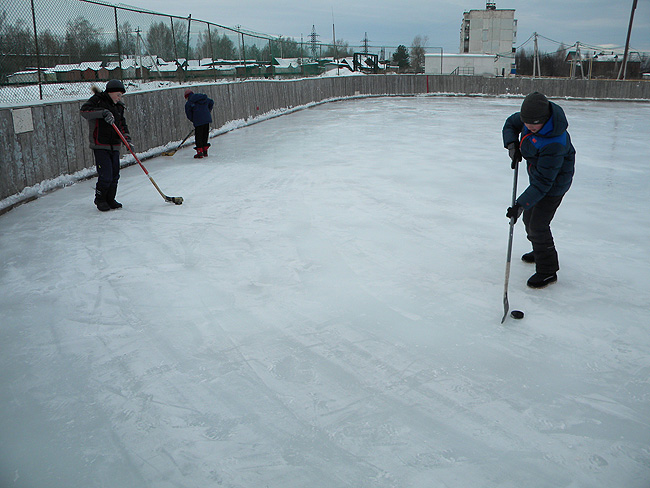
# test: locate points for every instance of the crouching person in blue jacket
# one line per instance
(538, 134)
(197, 108)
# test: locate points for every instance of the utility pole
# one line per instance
(536, 68)
(336, 57)
(243, 53)
(627, 43)
(153, 61)
(575, 59)
(579, 59)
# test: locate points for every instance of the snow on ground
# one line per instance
(12, 96)
(323, 311)
(47, 93)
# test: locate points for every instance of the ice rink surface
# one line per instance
(324, 311)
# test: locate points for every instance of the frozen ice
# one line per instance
(324, 311)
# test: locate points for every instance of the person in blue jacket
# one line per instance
(197, 108)
(538, 134)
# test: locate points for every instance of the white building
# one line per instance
(467, 64)
(487, 39)
(489, 31)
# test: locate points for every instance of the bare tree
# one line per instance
(417, 53)
(16, 40)
(82, 41)
(160, 41)
(342, 50)
(127, 38)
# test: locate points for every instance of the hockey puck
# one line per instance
(517, 314)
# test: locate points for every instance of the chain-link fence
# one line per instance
(52, 47)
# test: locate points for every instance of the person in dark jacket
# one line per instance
(102, 110)
(197, 108)
(538, 134)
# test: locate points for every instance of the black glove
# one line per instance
(514, 212)
(128, 139)
(108, 117)
(514, 153)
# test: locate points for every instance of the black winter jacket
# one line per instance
(100, 134)
(549, 154)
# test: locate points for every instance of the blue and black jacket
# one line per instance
(549, 154)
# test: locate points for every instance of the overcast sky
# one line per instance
(393, 22)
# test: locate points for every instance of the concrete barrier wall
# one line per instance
(57, 145)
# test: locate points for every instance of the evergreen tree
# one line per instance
(224, 47)
(401, 58)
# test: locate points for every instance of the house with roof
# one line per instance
(603, 64)
(286, 66)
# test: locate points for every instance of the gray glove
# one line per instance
(108, 117)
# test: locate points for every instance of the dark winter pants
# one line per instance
(108, 168)
(201, 133)
(538, 229)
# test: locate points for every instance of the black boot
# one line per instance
(541, 280)
(529, 257)
(100, 200)
(110, 198)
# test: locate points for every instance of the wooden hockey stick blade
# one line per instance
(173, 151)
(506, 307)
(176, 200)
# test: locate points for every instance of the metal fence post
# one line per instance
(119, 50)
(171, 20)
(214, 68)
(38, 56)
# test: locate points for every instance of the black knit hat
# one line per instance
(115, 86)
(535, 109)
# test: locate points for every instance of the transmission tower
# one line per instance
(366, 43)
(313, 40)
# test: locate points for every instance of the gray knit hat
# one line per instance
(115, 86)
(535, 109)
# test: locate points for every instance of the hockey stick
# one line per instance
(176, 200)
(506, 305)
(173, 151)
